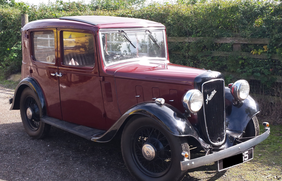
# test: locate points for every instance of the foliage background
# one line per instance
(188, 18)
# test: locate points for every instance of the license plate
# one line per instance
(232, 161)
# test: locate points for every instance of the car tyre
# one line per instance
(252, 128)
(30, 113)
(150, 152)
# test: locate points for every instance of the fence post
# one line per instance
(237, 46)
(24, 19)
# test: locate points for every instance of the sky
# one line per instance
(37, 2)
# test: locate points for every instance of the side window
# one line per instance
(43, 45)
(78, 49)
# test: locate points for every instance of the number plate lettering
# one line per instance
(245, 156)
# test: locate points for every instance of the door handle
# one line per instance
(59, 75)
(56, 74)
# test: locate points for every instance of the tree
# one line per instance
(115, 4)
(190, 1)
(2, 2)
(8, 2)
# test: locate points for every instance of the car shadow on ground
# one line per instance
(207, 172)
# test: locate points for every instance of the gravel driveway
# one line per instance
(61, 156)
(64, 156)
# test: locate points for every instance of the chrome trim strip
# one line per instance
(234, 150)
(204, 112)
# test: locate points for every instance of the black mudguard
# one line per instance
(33, 85)
(167, 116)
(238, 116)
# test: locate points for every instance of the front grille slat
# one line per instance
(214, 110)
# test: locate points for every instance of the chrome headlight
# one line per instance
(193, 100)
(240, 90)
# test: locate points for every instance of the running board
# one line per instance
(79, 130)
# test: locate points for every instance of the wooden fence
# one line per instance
(270, 100)
(236, 41)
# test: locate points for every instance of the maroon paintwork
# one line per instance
(98, 96)
(73, 84)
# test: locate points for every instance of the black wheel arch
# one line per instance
(33, 85)
(238, 115)
(167, 116)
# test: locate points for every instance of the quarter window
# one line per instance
(78, 49)
(44, 46)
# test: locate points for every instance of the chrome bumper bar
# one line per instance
(234, 150)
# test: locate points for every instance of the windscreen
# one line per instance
(126, 45)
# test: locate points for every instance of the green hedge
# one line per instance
(10, 44)
(247, 19)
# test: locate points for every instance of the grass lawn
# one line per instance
(8, 83)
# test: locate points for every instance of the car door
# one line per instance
(44, 67)
(79, 82)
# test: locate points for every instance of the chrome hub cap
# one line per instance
(29, 113)
(148, 152)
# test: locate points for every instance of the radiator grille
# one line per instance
(213, 110)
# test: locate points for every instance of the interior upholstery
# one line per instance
(76, 59)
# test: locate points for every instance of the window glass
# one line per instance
(44, 46)
(78, 49)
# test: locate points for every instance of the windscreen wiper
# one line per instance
(149, 33)
(126, 37)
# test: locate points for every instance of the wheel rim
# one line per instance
(151, 151)
(32, 114)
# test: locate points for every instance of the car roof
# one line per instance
(99, 22)
(109, 20)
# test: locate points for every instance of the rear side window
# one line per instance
(43, 46)
(78, 49)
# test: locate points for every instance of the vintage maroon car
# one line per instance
(95, 76)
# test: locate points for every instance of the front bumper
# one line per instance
(234, 150)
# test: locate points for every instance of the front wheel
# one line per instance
(252, 128)
(150, 152)
(31, 113)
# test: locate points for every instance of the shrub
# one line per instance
(10, 44)
(247, 19)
